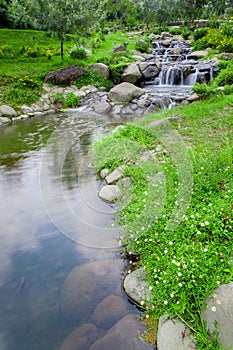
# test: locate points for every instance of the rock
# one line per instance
(103, 107)
(104, 173)
(115, 175)
(165, 43)
(101, 69)
(219, 314)
(138, 58)
(110, 193)
(196, 55)
(38, 114)
(110, 311)
(119, 48)
(173, 335)
(166, 35)
(125, 335)
(150, 72)
(86, 286)
(136, 287)
(88, 88)
(26, 109)
(82, 337)
(7, 111)
(131, 74)
(124, 92)
(65, 75)
(4, 121)
(193, 97)
(143, 66)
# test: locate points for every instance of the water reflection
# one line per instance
(35, 258)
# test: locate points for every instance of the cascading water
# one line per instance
(178, 68)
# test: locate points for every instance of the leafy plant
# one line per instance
(71, 100)
(142, 46)
(79, 53)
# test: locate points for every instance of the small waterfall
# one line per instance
(192, 78)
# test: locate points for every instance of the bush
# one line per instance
(186, 33)
(71, 100)
(225, 76)
(204, 90)
(79, 53)
(34, 51)
(115, 71)
(176, 31)
(142, 46)
(92, 78)
(200, 33)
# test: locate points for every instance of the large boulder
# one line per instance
(4, 121)
(125, 92)
(136, 287)
(197, 55)
(132, 73)
(7, 111)
(150, 72)
(174, 335)
(219, 314)
(66, 75)
(125, 335)
(86, 286)
(102, 107)
(101, 69)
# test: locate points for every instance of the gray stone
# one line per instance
(174, 335)
(39, 114)
(7, 111)
(23, 116)
(86, 286)
(115, 175)
(26, 109)
(125, 335)
(103, 107)
(4, 121)
(138, 58)
(119, 48)
(124, 92)
(104, 173)
(110, 311)
(101, 69)
(196, 55)
(193, 97)
(150, 72)
(132, 73)
(143, 66)
(219, 314)
(82, 337)
(166, 35)
(136, 286)
(117, 109)
(110, 193)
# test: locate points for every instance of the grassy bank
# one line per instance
(177, 212)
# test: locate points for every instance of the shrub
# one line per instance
(204, 90)
(92, 78)
(115, 71)
(200, 33)
(34, 51)
(186, 33)
(176, 31)
(142, 46)
(225, 76)
(226, 45)
(71, 100)
(79, 53)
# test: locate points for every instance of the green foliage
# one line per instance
(225, 76)
(186, 34)
(199, 33)
(79, 53)
(34, 51)
(142, 46)
(92, 78)
(204, 90)
(71, 100)
(115, 72)
(176, 31)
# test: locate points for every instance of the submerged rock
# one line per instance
(136, 287)
(86, 286)
(125, 335)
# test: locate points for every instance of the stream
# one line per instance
(53, 224)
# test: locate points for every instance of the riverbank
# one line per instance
(177, 211)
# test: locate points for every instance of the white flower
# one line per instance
(207, 223)
(180, 284)
(165, 251)
(205, 250)
(170, 243)
(150, 287)
(142, 302)
(213, 308)
(179, 274)
(165, 302)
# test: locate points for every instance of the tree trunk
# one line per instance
(62, 50)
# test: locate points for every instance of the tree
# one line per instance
(58, 17)
(4, 19)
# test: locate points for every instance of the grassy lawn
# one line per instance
(177, 212)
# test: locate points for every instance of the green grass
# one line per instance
(177, 213)
(33, 53)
